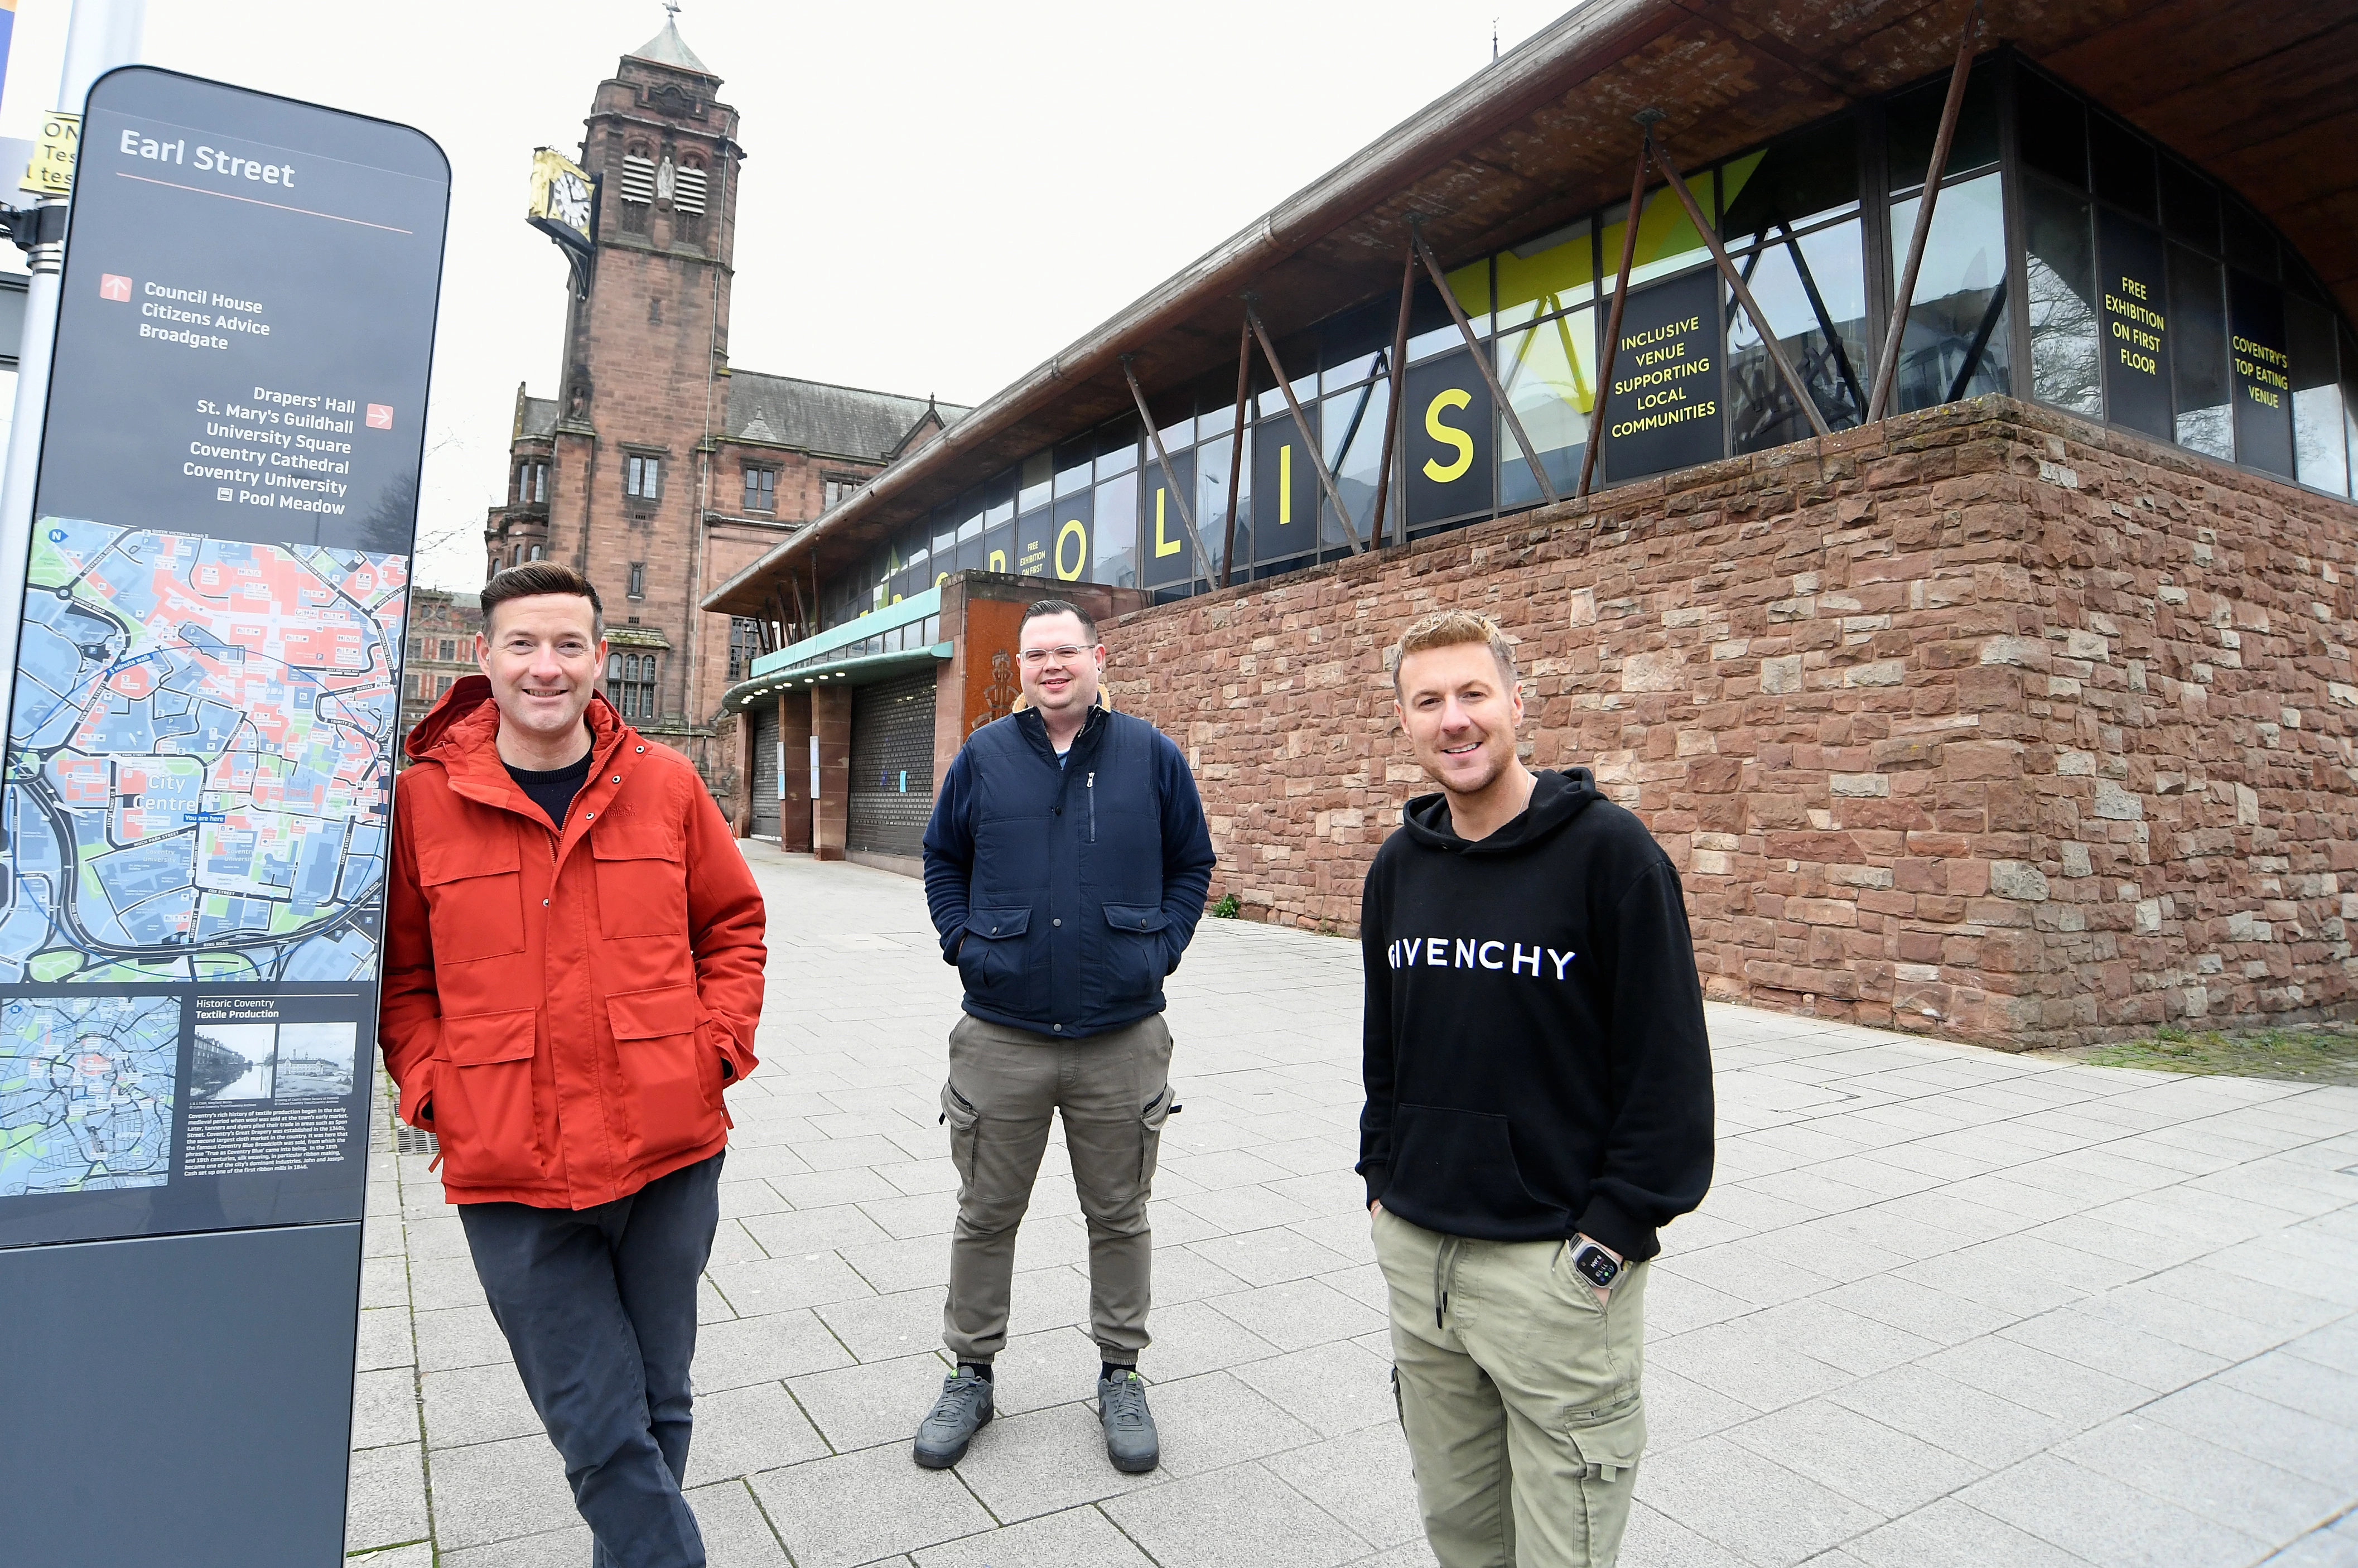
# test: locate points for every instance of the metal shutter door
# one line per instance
(893, 764)
(765, 769)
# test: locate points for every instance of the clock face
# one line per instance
(569, 201)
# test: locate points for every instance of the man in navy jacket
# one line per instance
(1066, 867)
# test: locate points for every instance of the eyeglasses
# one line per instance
(1065, 654)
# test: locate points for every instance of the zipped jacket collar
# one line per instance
(1085, 743)
(462, 734)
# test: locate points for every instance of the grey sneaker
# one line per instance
(1130, 1442)
(964, 1409)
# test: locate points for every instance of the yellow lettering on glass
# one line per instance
(998, 561)
(1285, 484)
(1162, 546)
(1448, 435)
(1075, 530)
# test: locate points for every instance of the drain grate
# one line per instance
(414, 1140)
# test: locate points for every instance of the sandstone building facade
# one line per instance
(2014, 701)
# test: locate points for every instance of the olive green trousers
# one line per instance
(1113, 1091)
(1518, 1392)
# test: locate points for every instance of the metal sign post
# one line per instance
(196, 802)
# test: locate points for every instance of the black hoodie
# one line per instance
(1536, 1061)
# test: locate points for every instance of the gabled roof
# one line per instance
(841, 421)
(667, 48)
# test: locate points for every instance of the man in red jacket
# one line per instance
(573, 974)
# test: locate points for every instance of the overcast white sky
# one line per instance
(936, 197)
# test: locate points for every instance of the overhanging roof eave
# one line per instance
(1591, 36)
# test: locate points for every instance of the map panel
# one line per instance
(86, 1093)
(200, 760)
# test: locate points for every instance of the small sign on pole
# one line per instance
(51, 171)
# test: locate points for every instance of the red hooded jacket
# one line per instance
(563, 1009)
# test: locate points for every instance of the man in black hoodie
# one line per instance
(1538, 1104)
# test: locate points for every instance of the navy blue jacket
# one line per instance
(1064, 895)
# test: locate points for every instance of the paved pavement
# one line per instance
(1943, 1307)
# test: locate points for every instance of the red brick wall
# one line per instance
(1985, 722)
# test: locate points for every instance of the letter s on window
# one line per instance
(1448, 435)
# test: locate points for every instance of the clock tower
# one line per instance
(658, 469)
(643, 392)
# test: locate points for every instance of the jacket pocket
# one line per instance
(1458, 1166)
(641, 880)
(474, 897)
(1136, 959)
(990, 957)
(671, 1079)
(483, 1094)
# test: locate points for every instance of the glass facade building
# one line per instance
(2071, 261)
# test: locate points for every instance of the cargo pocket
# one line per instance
(961, 1117)
(481, 1093)
(474, 899)
(672, 1077)
(1609, 1439)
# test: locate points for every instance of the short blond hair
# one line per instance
(1453, 629)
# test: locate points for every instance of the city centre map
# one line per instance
(200, 760)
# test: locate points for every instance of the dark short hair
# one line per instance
(535, 578)
(1040, 607)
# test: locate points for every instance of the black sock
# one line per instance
(1108, 1370)
(979, 1368)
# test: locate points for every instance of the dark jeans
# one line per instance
(599, 1307)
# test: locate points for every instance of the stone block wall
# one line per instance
(1986, 721)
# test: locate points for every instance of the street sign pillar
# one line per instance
(196, 805)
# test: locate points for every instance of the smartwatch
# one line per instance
(1595, 1265)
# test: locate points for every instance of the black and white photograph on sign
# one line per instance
(315, 1060)
(232, 1061)
(1663, 408)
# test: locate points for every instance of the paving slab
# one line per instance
(1945, 1307)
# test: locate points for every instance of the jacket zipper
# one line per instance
(1090, 789)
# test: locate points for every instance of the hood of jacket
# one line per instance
(1556, 799)
(461, 732)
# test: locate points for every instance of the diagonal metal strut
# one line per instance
(1163, 458)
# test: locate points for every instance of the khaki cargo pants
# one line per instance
(1518, 1392)
(1113, 1091)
